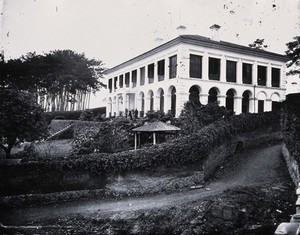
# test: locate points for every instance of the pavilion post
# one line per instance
(135, 140)
(139, 139)
(154, 138)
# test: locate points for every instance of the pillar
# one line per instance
(239, 71)
(203, 99)
(254, 74)
(223, 69)
(268, 105)
(205, 66)
(155, 79)
(222, 100)
(237, 105)
(252, 105)
(166, 68)
(135, 140)
(154, 138)
(269, 75)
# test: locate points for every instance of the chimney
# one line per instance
(215, 32)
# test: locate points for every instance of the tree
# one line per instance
(60, 80)
(293, 53)
(194, 116)
(258, 44)
(20, 119)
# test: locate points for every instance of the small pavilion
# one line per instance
(154, 128)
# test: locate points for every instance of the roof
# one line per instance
(205, 42)
(157, 126)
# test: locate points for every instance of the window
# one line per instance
(173, 66)
(115, 82)
(161, 70)
(214, 69)
(151, 73)
(230, 71)
(195, 66)
(275, 77)
(127, 79)
(247, 73)
(142, 71)
(121, 81)
(133, 78)
(110, 85)
(261, 75)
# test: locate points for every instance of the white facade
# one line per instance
(196, 68)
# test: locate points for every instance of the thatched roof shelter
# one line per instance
(154, 127)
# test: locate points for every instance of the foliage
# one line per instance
(61, 78)
(158, 116)
(258, 44)
(111, 136)
(86, 115)
(183, 150)
(20, 119)
(194, 116)
(72, 115)
(290, 125)
(293, 53)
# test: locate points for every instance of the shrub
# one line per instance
(183, 150)
(194, 116)
(111, 136)
(290, 124)
(86, 115)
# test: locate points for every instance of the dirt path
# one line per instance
(258, 167)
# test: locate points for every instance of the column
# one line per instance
(205, 66)
(239, 71)
(268, 105)
(203, 99)
(124, 85)
(118, 106)
(252, 106)
(167, 103)
(222, 100)
(138, 77)
(155, 79)
(282, 77)
(156, 102)
(183, 62)
(237, 105)
(254, 75)
(166, 68)
(223, 69)
(130, 79)
(146, 75)
(269, 75)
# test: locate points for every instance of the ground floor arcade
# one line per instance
(171, 98)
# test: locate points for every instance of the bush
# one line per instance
(111, 136)
(290, 124)
(194, 116)
(86, 115)
(72, 115)
(183, 150)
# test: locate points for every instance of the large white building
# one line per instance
(192, 67)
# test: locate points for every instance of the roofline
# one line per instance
(153, 51)
(206, 42)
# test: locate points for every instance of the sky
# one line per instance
(116, 30)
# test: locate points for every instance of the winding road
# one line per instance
(255, 167)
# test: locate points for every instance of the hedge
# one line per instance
(187, 149)
(72, 115)
(290, 124)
